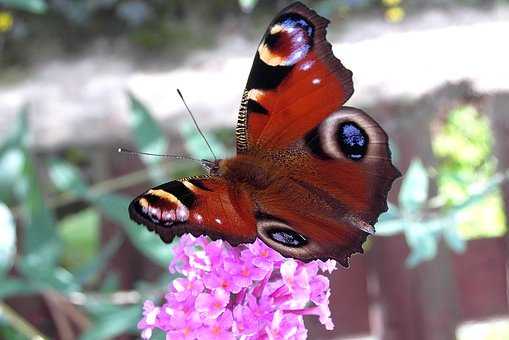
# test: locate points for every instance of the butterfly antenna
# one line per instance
(122, 150)
(196, 124)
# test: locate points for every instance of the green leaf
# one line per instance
(391, 227)
(90, 270)
(15, 287)
(41, 244)
(11, 165)
(67, 178)
(34, 6)
(148, 136)
(12, 155)
(114, 207)
(453, 238)
(414, 189)
(478, 195)
(59, 279)
(113, 324)
(7, 240)
(422, 240)
(79, 231)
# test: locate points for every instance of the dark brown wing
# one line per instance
(332, 192)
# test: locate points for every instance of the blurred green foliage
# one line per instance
(173, 26)
(65, 254)
(464, 150)
(468, 204)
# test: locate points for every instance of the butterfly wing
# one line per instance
(198, 206)
(333, 189)
(295, 82)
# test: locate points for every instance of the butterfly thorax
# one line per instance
(246, 170)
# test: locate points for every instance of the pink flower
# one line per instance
(212, 305)
(184, 288)
(148, 323)
(245, 292)
(245, 323)
(261, 256)
(218, 329)
(243, 273)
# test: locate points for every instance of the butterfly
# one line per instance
(310, 176)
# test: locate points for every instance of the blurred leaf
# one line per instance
(79, 231)
(197, 147)
(34, 6)
(414, 189)
(422, 242)
(390, 222)
(7, 240)
(148, 136)
(67, 178)
(111, 283)
(41, 244)
(479, 194)
(114, 207)
(113, 324)
(391, 213)
(7, 331)
(15, 287)
(391, 227)
(453, 238)
(157, 334)
(90, 270)
(59, 279)
(11, 165)
(12, 154)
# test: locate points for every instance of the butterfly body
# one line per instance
(310, 177)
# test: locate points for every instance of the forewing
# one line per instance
(200, 206)
(295, 82)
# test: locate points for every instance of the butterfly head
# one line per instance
(211, 167)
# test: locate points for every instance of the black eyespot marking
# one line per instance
(199, 184)
(314, 144)
(254, 106)
(287, 237)
(180, 191)
(266, 77)
(353, 140)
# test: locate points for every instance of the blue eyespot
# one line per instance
(353, 140)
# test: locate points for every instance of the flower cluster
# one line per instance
(248, 292)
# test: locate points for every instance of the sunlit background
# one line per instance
(78, 79)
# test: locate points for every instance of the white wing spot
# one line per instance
(198, 218)
(218, 221)
(316, 81)
(306, 66)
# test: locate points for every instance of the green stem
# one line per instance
(20, 324)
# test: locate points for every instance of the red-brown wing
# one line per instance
(295, 82)
(332, 191)
(207, 206)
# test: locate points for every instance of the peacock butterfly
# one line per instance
(310, 177)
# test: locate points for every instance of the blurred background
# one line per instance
(80, 78)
